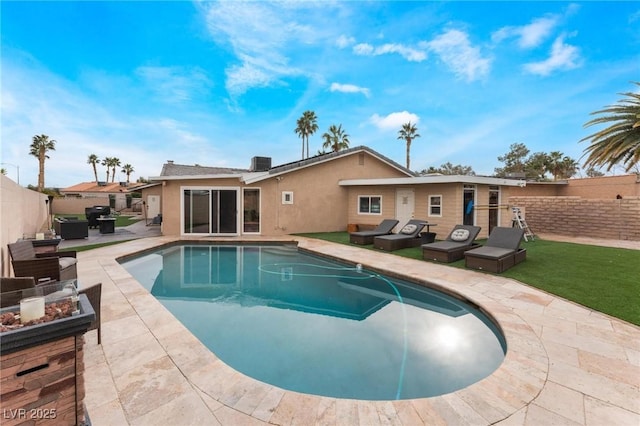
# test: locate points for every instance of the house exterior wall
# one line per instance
(320, 204)
(452, 211)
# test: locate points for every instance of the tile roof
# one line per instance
(105, 187)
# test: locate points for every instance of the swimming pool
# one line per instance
(308, 324)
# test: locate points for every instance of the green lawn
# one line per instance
(120, 220)
(602, 278)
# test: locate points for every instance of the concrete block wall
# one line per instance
(617, 219)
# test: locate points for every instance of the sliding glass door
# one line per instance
(210, 211)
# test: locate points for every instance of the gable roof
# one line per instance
(103, 187)
(431, 179)
(171, 171)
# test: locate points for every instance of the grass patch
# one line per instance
(601, 278)
(94, 246)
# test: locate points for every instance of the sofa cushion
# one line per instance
(65, 262)
(460, 235)
(409, 229)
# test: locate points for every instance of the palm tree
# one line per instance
(408, 133)
(335, 139)
(106, 161)
(306, 126)
(39, 147)
(560, 166)
(620, 142)
(94, 160)
(115, 162)
(127, 169)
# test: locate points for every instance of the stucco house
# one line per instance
(324, 193)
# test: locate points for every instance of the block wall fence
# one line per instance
(617, 219)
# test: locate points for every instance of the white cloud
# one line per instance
(409, 53)
(562, 57)
(456, 51)
(349, 88)
(174, 84)
(393, 121)
(528, 36)
(343, 41)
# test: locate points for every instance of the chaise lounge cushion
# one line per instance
(409, 229)
(460, 235)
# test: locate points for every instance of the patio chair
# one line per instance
(409, 236)
(94, 294)
(366, 237)
(9, 287)
(57, 266)
(453, 247)
(500, 252)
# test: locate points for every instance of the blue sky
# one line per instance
(216, 83)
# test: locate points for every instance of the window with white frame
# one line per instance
(435, 205)
(369, 204)
(287, 197)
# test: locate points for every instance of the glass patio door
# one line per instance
(210, 211)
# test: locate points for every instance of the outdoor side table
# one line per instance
(107, 225)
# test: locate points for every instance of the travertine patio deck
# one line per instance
(565, 363)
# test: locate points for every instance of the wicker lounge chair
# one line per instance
(94, 294)
(409, 236)
(453, 247)
(57, 266)
(9, 287)
(366, 237)
(500, 252)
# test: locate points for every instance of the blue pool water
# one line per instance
(311, 325)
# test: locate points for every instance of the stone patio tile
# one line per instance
(406, 412)
(537, 416)
(594, 385)
(251, 399)
(92, 352)
(108, 413)
(186, 409)
(113, 307)
(429, 413)
(120, 329)
(214, 378)
(598, 412)
(295, 409)
(516, 419)
(585, 343)
(150, 386)
(614, 369)
(186, 351)
(266, 407)
(633, 356)
(564, 354)
(626, 340)
(99, 385)
(466, 412)
(347, 411)
(367, 414)
(387, 413)
(563, 401)
(228, 416)
(132, 352)
(326, 413)
(486, 404)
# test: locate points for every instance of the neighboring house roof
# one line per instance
(421, 180)
(104, 187)
(171, 171)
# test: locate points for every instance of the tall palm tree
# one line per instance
(560, 165)
(115, 162)
(408, 133)
(106, 161)
(94, 161)
(306, 126)
(39, 146)
(620, 142)
(335, 139)
(127, 169)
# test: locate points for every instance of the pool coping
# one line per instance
(197, 378)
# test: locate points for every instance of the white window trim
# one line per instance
(284, 197)
(429, 213)
(369, 213)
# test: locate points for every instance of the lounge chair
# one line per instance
(57, 266)
(500, 252)
(409, 236)
(366, 237)
(10, 289)
(453, 247)
(94, 294)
